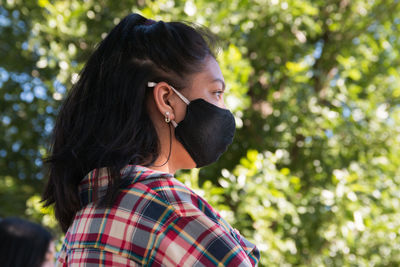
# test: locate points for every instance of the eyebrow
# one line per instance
(221, 81)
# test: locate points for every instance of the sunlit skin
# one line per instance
(209, 85)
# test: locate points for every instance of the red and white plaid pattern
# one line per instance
(156, 221)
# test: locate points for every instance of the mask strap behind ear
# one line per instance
(184, 99)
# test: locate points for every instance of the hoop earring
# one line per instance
(167, 119)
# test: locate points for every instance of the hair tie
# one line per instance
(149, 22)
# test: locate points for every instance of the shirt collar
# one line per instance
(94, 185)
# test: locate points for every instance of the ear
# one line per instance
(164, 100)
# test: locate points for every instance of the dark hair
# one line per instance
(104, 121)
(22, 243)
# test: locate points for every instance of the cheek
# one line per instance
(222, 104)
(210, 97)
(219, 102)
(180, 112)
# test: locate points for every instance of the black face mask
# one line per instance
(206, 131)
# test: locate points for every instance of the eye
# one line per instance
(219, 94)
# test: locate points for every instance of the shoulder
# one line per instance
(197, 241)
(197, 235)
(183, 199)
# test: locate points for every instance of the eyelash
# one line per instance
(219, 93)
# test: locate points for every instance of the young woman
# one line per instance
(148, 103)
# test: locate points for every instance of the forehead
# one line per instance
(212, 68)
(211, 72)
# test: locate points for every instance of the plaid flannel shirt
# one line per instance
(156, 221)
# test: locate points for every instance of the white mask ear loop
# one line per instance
(184, 99)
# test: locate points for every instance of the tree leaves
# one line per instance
(313, 174)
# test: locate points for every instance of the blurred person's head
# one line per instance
(23, 243)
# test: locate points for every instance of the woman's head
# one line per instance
(24, 243)
(111, 116)
(203, 127)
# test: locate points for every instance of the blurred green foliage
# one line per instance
(313, 176)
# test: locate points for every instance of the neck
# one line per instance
(165, 168)
(164, 162)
